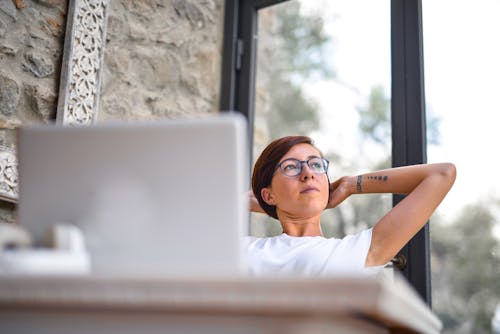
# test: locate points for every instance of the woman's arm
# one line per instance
(425, 186)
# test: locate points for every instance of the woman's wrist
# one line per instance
(349, 183)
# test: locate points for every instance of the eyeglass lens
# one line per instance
(293, 167)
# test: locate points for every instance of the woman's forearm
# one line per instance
(425, 187)
(400, 180)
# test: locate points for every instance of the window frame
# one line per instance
(407, 99)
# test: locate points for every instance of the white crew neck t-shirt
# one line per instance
(309, 256)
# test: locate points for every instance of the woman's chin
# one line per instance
(298, 215)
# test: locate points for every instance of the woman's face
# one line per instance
(301, 196)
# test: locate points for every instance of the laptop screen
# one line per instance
(162, 198)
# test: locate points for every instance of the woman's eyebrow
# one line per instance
(308, 157)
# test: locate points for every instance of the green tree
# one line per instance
(465, 254)
(360, 212)
(466, 268)
(375, 119)
(299, 56)
(292, 112)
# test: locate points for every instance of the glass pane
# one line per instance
(323, 70)
(462, 72)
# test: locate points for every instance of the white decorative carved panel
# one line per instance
(82, 62)
(80, 79)
(8, 175)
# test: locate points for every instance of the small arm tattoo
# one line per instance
(380, 178)
(358, 184)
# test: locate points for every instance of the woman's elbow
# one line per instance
(448, 171)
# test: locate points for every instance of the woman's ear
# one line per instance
(267, 196)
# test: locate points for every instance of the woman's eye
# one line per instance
(290, 167)
(316, 166)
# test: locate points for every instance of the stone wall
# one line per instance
(162, 59)
(31, 40)
(31, 44)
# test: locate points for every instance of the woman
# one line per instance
(290, 183)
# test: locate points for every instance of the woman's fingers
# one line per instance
(254, 205)
(338, 194)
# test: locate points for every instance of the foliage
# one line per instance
(466, 269)
(302, 52)
(292, 112)
(375, 119)
(300, 56)
(375, 116)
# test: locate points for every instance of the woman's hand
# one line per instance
(340, 190)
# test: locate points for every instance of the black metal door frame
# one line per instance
(409, 144)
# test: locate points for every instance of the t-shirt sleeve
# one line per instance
(349, 257)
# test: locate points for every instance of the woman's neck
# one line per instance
(301, 227)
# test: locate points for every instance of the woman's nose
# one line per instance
(306, 172)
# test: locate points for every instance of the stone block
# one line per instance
(8, 8)
(50, 3)
(37, 64)
(42, 101)
(3, 29)
(9, 95)
(7, 50)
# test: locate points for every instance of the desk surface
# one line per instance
(392, 304)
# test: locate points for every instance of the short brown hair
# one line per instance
(266, 166)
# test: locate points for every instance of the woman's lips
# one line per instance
(309, 189)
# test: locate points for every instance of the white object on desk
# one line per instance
(13, 235)
(66, 255)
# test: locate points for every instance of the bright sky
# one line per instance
(462, 85)
(462, 80)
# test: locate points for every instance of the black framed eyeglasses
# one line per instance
(293, 167)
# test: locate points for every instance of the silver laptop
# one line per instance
(153, 198)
